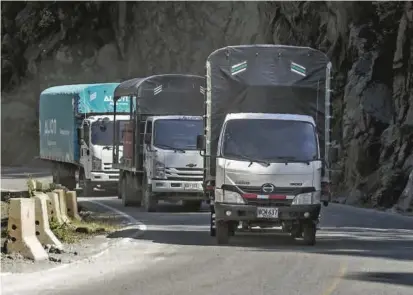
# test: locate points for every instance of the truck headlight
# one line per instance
(307, 198)
(228, 197)
(96, 163)
(159, 170)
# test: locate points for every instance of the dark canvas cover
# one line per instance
(265, 79)
(169, 94)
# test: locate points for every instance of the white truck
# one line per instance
(76, 134)
(160, 160)
(267, 139)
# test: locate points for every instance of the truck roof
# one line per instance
(290, 117)
(173, 117)
(168, 94)
(73, 89)
(133, 86)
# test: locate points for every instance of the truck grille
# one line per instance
(268, 203)
(278, 190)
(108, 167)
(184, 174)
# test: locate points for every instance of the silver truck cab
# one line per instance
(268, 173)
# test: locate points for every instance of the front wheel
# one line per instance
(309, 234)
(222, 233)
(148, 202)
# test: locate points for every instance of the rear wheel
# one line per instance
(222, 232)
(65, 175)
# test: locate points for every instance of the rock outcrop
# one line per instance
(370, 44)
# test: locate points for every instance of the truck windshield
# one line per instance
(104, 136)
(177, 133)
(270, 140)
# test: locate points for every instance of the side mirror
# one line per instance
(147, 138)
(80, 134)
(200, 142)
(325, 193)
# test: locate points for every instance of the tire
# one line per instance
(309, 234)
(69, 183)
(222, 233)
(212, 229)
(148, 202)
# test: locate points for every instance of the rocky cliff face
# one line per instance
(370, 44)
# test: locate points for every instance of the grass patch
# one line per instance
(4, 232)
(4, 209)
(78, 230)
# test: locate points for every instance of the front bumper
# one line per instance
(169, 186)
(249, 213)
(104, 177)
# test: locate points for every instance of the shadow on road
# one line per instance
(394, 244)
(396, 278)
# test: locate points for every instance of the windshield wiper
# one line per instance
(107, 147)
(293, 160)
(172, 148)
(265, 163)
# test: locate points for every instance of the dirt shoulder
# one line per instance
(84, 240)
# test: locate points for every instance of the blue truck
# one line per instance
(76, 130)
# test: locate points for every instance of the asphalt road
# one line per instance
(358, 252)
(15, 178)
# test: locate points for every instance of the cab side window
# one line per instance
(86, 132)
(148, 127)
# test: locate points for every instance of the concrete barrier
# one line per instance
(62, 203)
(43, 232)
(54, 208)
(71, 204)
(22, 232)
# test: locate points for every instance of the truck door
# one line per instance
(148, 154)
(85, 155)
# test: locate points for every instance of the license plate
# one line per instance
(265, 212)
(190, 186)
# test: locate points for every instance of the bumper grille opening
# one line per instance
(268, 203)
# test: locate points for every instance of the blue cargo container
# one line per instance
(61, 110)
